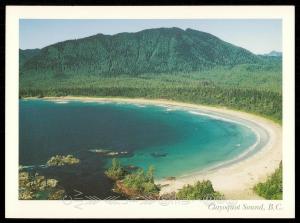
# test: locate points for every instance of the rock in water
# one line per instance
(158, 154)
(60, 160)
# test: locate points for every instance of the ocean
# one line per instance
(176, 141)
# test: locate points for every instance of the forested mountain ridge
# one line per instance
(161, 50)
(169, 63)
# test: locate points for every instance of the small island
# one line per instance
(60, 160)
(134, 185)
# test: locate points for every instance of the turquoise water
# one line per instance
(204, 143)
(175, 141)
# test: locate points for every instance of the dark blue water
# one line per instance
(175, 142)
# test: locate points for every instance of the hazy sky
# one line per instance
(256, 35)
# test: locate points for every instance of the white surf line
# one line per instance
(219, 165)
(218, 116)
(34, 166)
(139, 105)
(240, 157)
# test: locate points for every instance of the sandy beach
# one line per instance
(236, 180)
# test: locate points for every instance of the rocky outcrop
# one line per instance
(35, 187)
(159, 154)
(170, 178)
(168, 196)
(132, 194)
(57, 195)
(60, 160)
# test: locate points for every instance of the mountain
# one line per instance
(160, 50)
(274, 54)
(166, 63)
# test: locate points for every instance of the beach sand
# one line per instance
(236, 180)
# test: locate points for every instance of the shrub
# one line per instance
(199, 191)
(116, 171)
(142, 182)
(271, 189)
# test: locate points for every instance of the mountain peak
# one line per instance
(157, 50)
(274, 53)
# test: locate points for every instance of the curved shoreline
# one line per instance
(261, 135)
(234, 178)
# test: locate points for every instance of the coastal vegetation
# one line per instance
(60, 160)
(142, 182)
(116, 171)
(33, 186)
(201, 190)
(133, 184)
(271, 189)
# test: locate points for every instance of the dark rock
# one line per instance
(158, 154)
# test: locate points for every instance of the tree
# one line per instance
(116, 171)
(150, 173)
(142, 182)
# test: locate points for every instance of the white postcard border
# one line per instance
(146, 209)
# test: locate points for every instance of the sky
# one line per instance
(257, 35)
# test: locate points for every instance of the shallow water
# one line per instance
(174, 141)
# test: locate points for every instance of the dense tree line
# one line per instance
(266, 103)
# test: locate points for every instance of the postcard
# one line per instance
(150, 112)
